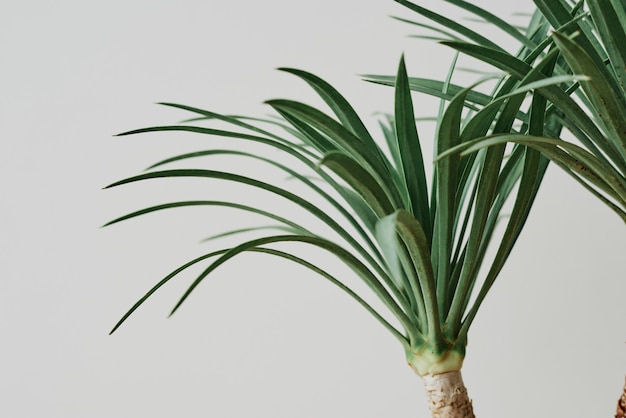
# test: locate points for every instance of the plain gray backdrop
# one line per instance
(260, 338)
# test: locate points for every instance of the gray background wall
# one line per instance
(260, 338)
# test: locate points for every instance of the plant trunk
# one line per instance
(447, 396)
(621, 405)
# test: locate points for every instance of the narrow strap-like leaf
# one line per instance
(450, 36)
(534, 169)
(229, 119)
(161, 283)
(486, 192)
(449, 23)
(337, 283)
(220, 175)
(338, 104)
(310, 184)
(433, 88)
(238, 231)
(606, 100)
(494, 20)
(559, 16)
(389, 132)
(345, 256)
(574, 157)
(318, 212)
(282, 144)
(520, 69)
(344, 139)
(414, 237)
(609, 18)
(447, 173)
(231, 205)
(360, 180)
(411, 151)
(493, 189)
(401, 266)
(289, 149)
(345, 113)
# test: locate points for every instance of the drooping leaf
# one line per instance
(345, 256)
(449, 23)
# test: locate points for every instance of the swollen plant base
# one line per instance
(447, 396)
(440, 372)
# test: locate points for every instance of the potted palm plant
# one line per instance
(420, 245)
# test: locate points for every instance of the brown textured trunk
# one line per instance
(447, 396)
(621, 405)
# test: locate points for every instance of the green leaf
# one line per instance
(160, 284)
(414, 238)
(343, 140)
(220, 175)
(338, 104)
(345, 256)
(238, 231)
(569, 155)
(229, 119)
(609, 18)
(486, 193)
(360, 180)
(387, 237)
(291, 150)
(401, 268)
(339, 284)
(553, 93)
(447, 180)
(534, 169)
(411, 151)
(281, 144)
(448, 35)
(450, 24)
(434, 88)
(495, 21)
(231, 205)
(606, 100)
(560, 18)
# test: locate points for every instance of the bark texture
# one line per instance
(447, 396)
(621, 405)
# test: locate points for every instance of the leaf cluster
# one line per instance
(586, 39)
(420, 244)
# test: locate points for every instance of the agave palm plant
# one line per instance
(420, 250)
(420, 246)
